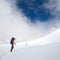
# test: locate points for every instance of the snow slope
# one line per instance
(46, 48)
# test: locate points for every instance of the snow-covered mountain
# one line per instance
(46, 48)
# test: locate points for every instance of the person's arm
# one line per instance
(14, 42)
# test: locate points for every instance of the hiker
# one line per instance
(12, 42)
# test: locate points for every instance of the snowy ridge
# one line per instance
(46, 48)
(51, 38)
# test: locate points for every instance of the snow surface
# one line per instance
(46, 48)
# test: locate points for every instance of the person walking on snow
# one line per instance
(12, 42)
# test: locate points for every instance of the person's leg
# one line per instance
(12, 47)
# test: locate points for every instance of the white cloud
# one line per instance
(14, 23)
(54, 7)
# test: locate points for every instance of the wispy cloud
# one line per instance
(14, 23)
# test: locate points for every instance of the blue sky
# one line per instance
(16, 17)
(34, 9)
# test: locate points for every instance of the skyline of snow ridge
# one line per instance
(14, 23)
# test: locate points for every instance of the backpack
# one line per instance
(12, 40)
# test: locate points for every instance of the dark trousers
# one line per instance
(12, 46)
